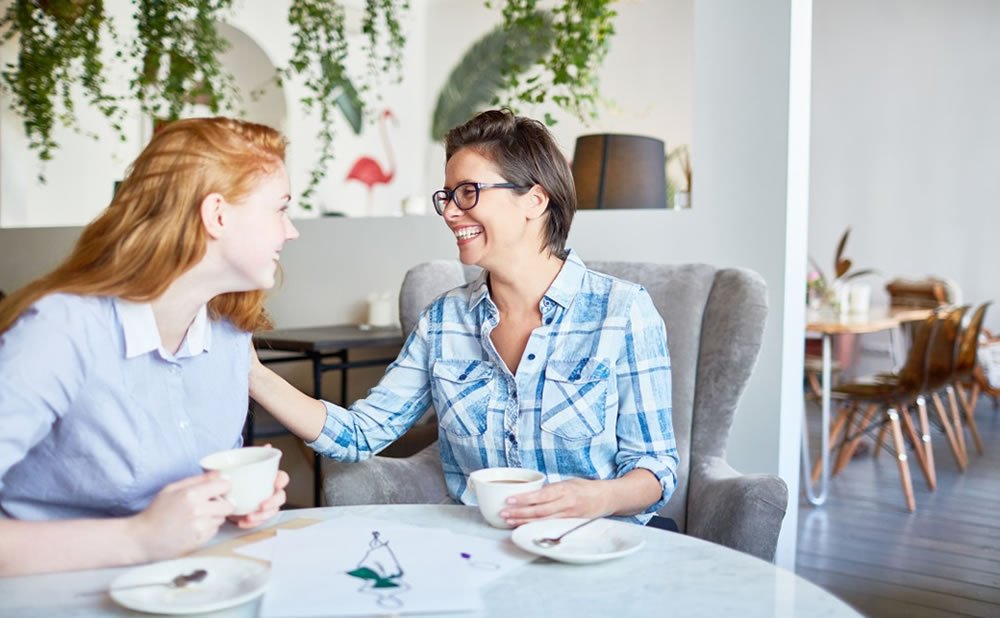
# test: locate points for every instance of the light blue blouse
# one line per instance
(96, 417)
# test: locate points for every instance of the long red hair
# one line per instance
(152, 231)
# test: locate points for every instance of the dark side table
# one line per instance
(327, 347)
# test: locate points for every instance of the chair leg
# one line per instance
(850, 413)
(883, 430)
(835, 430)
(814, 385)
(918, 445)
(847, 451)
(959, 426)
(948, 432)
(970, 414)
(904, 467)
(925, 439)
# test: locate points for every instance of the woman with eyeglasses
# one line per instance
(540, 363)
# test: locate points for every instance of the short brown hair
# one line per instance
(526, 154)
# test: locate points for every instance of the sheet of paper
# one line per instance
(332, 570)
(485, 559)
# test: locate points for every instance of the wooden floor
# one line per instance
(942, 560)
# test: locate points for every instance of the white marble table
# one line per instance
(673, 575)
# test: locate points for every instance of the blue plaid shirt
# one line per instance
(591, 397)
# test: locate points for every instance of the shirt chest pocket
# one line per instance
(462, 390)
(574, 398)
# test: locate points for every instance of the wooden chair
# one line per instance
(980, 384)
(966, 363)
(927, 293)
(941, 364)
(891, 394)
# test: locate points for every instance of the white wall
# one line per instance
(906, 139)
(81, 176)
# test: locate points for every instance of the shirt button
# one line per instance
(512, 438)
(184, 424)
(175, 369)
(531, 357)
(463, 376)
(548, 320)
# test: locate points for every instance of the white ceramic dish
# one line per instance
(605, 539)
(230, 582)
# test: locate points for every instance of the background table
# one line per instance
(826, 324)
(320, 345)
(673, 575)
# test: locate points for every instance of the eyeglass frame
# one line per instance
(449, 194)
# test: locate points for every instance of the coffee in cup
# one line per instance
(251, 472)
(493, 486)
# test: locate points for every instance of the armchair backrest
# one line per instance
(714, 319)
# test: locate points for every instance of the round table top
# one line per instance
(673, 574)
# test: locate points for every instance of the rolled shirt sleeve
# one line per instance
(645, 429)
(394, 405)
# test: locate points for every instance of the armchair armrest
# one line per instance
(418, 479)
(741, 511)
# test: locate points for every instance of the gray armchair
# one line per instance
(714, 319)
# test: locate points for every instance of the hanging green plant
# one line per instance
(319, 57)
(382, 20)
(567, 75)
(178, 47)
(59, 45)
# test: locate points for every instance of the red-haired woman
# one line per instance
(125, 365)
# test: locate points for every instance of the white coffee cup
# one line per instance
(493, 486)
(251, 472)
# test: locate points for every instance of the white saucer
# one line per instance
(602, 540)
(230, 581)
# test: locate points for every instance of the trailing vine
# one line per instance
(319, 53)
(179, 46)
(392, 61)
(568, 74)
(60, 45)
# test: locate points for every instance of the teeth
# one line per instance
(468, 232)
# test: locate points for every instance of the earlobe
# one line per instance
(539, 202)
(212, 214)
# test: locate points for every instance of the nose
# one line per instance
(451, 210)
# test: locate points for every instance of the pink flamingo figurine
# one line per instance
(368, 171)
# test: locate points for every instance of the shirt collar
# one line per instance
(562, 291)
(142, 336)
(567, 283)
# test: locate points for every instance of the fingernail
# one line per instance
(504, 514)
(511, 500)
(510, 522)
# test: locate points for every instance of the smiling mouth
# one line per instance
(468, 232)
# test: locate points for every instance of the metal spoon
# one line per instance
(178, 582)
(547, 542)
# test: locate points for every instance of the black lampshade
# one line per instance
(620, 171)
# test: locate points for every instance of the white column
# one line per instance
(751, 159)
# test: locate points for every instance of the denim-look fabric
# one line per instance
(96, 417)
(591, 397)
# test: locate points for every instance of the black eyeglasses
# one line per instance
(466, 195)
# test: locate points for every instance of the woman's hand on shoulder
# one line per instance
(572, 498)
(183, 516)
